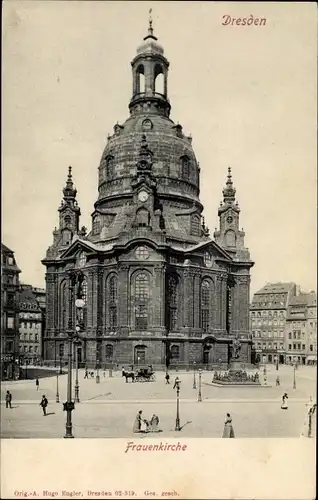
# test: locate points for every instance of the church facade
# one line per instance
(156, 288)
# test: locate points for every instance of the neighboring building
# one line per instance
(301, 329)
(157, 289)
(268, 313)
(40, 294)
(30, 326)
(9, 315)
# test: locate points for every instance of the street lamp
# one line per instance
(294, 381)
(199, 394)
(276, 361)
(265, 375)
(61, 371)
(194, 380)
(97, 371)
(57, 388)
(76, 387)
(178, 428)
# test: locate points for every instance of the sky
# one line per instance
(247, 95)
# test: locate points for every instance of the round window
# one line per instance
(142, 253)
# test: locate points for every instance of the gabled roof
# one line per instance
(276, 288)
(6, 249)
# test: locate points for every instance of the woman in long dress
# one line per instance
(228, 431)
(284, 405)
(137, 423)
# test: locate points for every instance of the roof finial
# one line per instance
(150, 28)
(69, 191)
(229, 190)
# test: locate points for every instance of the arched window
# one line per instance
(96, 224)
(109, 351)
(173, 290)
(140, 80)
(112, 298)
(140, 355)
(185, 167)
(159, 80)
(175, 352)
(63, 305)
(230, 238)
(142, 217)
(66, 236)
(205, 305)
(141, 301)
(109, 167)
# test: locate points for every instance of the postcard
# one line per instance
(158, 254)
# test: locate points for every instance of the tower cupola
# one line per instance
(150, 77)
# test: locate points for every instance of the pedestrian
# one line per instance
(277, 380)
(137, 423)
(86, 373)
(8, 399)
(228, 431)
(37, 383)
(154, 422)
(123, 371)
(167, 377)
(44, 403)
(284, 405)
(176, 382)
(104, 373)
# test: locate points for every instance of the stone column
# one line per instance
(100, 292)
(159, 296)
(90, 299)
(49, 278)
(123, 297)
(196, 301)
(218, 302)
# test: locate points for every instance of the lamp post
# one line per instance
(61, 371)
(277, 361)
(194, 380)
(294, 381)
(69, 405)
(178, 428)
(76, 387)
(199, 394)
(97, 371)
(265, 375)
(57, 399)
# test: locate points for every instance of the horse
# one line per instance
(128, 375)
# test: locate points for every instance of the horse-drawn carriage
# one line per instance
(145, 375)
(140, 375)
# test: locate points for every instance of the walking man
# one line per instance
(44, 403)
(277, 380)
(37, 383)
(86, 373)
(8, 399)
(167, 377)
(176, 382)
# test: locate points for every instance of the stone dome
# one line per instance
(174, 168)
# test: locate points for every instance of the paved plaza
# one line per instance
(108, 409)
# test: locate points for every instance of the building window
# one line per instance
(10, 322)
(109, 351)
(205, 305)
(195, 225)
(61, 350)
(185, 167)
(230, 239)
(10, 299)
(109, 170)
(289, 335)
(289, 346)
(142, 253)
(36, 348)
(10, 261)
(143, 217)
(311, 347)
(113, 295)
(303, 347)
(173, 290)
(36, 338)
(96, 224)
(30, 348)
(175, 352)
(142, 294)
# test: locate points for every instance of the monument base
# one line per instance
(236, 375)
